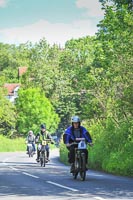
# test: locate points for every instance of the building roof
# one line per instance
(21, 71)
(11, 87)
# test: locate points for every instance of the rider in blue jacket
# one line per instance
(73, 132)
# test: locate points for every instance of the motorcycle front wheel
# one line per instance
(83, 168)
(76, 169)
(44, 161)
(41, 162)
(29, 151)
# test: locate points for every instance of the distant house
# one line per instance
(12, 88)
(21, 71)
(12, 91)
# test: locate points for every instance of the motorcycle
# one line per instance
(80, 159)
(30, 149)
(42, 148)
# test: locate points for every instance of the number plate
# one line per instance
(43, 142)
(82, 145)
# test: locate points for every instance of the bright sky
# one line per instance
(55, 20)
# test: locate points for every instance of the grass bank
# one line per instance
(12, 145)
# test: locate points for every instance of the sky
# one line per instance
(55, 20)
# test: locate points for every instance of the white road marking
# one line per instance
(50, 182)
(62, 186)
(99, 198)
(30, 175)
(4, 161)
(13, 168)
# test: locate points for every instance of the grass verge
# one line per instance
(12, 145)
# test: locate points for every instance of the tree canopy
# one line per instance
(90, 77)
(34, 109)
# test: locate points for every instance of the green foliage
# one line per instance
(108, 92)
(7, 115)
(90, 77)
(12, 145)
(113, 146)
(33, 109)
(11, 58)
(63, 153)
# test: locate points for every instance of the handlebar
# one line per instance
(78, 140)
(47, 140)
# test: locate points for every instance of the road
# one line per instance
(22, 178)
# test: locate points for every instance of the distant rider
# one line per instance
(31, 139)
(71, 133)
(39, 138)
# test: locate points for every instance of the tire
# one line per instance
(44, 161)
(41, 161)
(83, 168)
(29, 151)
(75, 174)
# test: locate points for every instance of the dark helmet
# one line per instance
(43, 126)
(75, 119)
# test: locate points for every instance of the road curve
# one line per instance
(22, 178)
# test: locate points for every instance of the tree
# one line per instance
(7, 115)
(33, 109)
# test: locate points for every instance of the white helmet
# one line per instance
(30, 132)
(75, 119)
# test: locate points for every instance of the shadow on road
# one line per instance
(16, 183)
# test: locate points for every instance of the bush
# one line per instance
(63, 153)
(112, 150)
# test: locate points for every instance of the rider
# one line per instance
(31, 139)
(72, 132)
(40, 137)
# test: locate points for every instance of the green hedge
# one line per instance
(112, 150)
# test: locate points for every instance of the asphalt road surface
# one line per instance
(22, 178)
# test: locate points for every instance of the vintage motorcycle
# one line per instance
(80, 159)
(30, 149)
(43, 153)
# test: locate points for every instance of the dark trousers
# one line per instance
(71, 154)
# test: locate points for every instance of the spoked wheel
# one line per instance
(44, 161)
(29, 152)
(41, 161)
(75, 174)
(83, 168)
(76, 170)
(82, 175)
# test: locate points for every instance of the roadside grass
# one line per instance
(17, 144)
(12, 145)
(63, 154)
